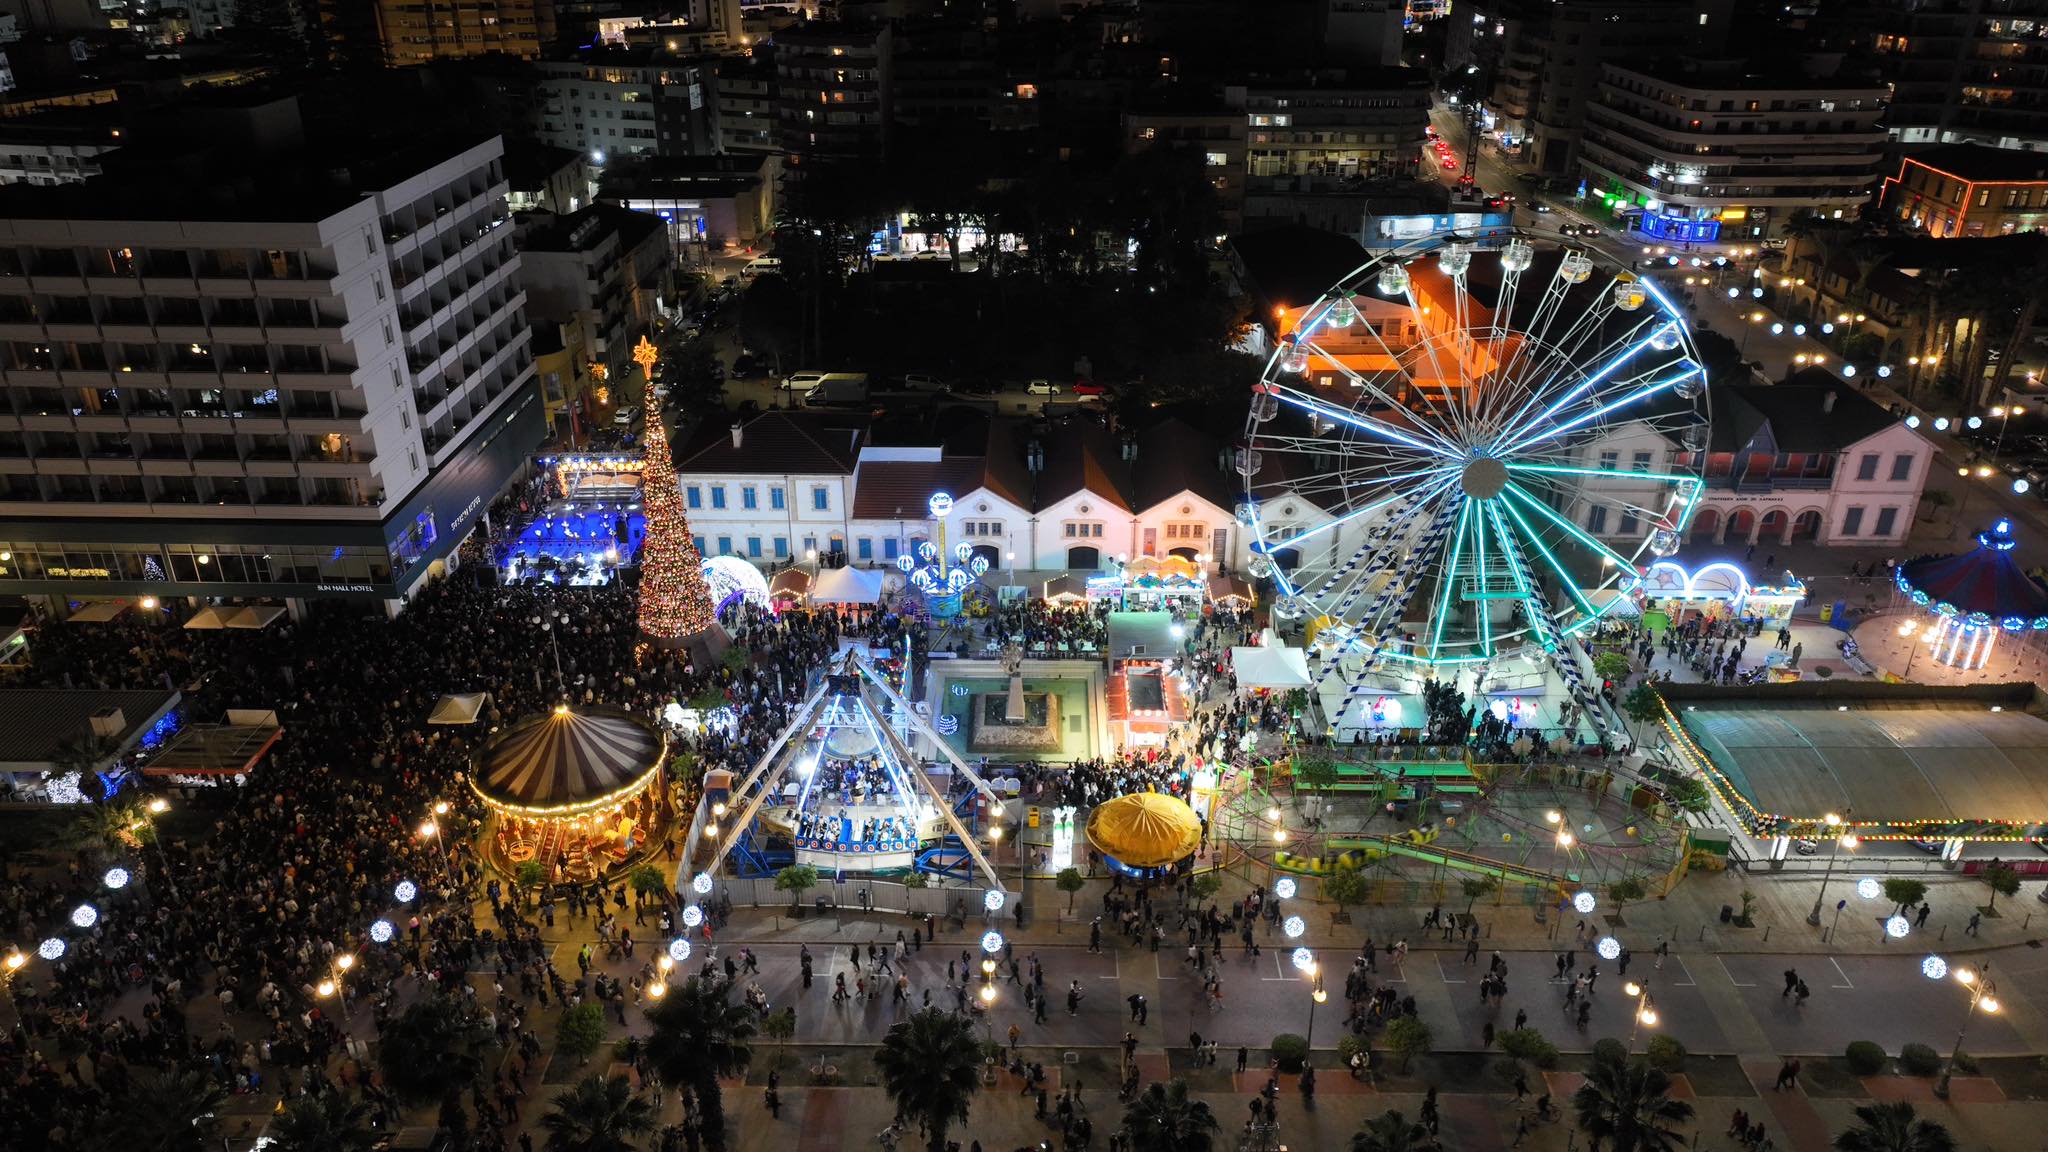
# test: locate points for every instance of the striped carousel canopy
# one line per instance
(568, 761)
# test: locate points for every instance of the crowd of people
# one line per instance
(1039, 626)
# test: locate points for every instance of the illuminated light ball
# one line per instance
(1941, 423)
(116, 878)
(1975, 422)
(1303, 959)
(1897, 927)
(405, 891)
(2020, 486)
(1583, 903)
(51, 949)
(1934, 967)
(1507, 837)
(1911, 421)
(1884, 370)
(1777, 329)
(992, 900)
(381, 931)
(1609, 948)
(85, 916)
(692, 916)
(1284, 888)
(1868, 888)
(991, 942)
(701, 883)
(1848, 370)
(679, 949)
(1294, 927)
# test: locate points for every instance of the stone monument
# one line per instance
(1013, 667)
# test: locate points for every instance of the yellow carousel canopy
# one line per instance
(568, 761)
(1145, 830)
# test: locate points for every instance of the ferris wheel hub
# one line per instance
(1484, 477)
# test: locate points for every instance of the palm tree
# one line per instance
(927, 1063)
(328, 1122)
(1630, 1107)
(176, 1111)
(699, 1036)
(1893, 1128)
(432, 1051)
(1165, 1119)
(599, 1114)
(1390, 1132)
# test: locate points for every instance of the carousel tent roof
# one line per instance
(1270, 667)
(1145, 829)
(563, 762)
(846, 586)
(460, 708)
(1984, 579)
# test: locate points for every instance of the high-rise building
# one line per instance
(622, 102)
(248, 373)
(409, 32)
(1961, 71)
(1700, 151)
(834, 90)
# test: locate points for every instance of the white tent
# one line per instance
(1276, 668)
(462, 708)
(846, 586)
(206, 620)
(258, 616)
(99, 611)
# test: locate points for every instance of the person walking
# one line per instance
(1791, 982)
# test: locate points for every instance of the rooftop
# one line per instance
(1796, 414)
(779, 443)
(1979, 162)
(39, 722)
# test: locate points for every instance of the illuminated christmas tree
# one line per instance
(675, 602)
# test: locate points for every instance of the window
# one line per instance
(891, 548)
(782, 547)
(1902, 467)
(698, 541)
(821, 498)
(775, 499)
(725, 545)
(753, 547)
(1887, 520)
(750, 499)
(810, 545)
(1630, 523)
(864, 548)
(1596, 520)
(1640, 462)
(1852, 522)
(694, 497)
(1216, 159)
(1866, 466)
(718, 495)
(1610, 461)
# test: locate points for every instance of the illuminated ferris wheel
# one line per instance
(1461, 453)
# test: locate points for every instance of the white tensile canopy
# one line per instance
(207, 619)
(99, 611)
(258, 616)
(1270, 667)
(846, 586)
(460, 708)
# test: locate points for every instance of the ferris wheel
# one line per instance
(1458, 453)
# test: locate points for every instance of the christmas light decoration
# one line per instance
(675, 601)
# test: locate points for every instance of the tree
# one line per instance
(1408, 1037)
(1624, 890)
(598, 1114)
(1070, 881)
(1476, 886)
(1164, 1118)
(1344, 887)
(1893, 1127)
(780, 1027)
(530, 874)
(675, 602)
(928, 1065)
(1390, 1131)
(1314, 773)
(1687, 794)
(1629, 1108)
(796, 880)
(698, 1037)
(164, 1111)
(325, 1122)
(433, 1050)
(647, 880)
(2004, 880)
(581, 1031)
(1202, 887)
(1611, 666)
(1643, 705)
(1904, 892)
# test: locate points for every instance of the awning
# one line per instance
(1064, 589)
(462, 708)
(99, 611)
(212, 750)
(846, 586)
(206, 620)
(1275, 668)
(790, 584)
(258, 616)
(1223, 589)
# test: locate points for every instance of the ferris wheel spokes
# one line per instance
(1540, 435)
(1331, 412)
(1563, 358)
(1404, 371)
(1570, 529)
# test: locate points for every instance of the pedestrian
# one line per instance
(1976, 918)
(1921, 920)
(1791, 982)
(1243, 1054)
(1788, 1076)
(1521, 1127)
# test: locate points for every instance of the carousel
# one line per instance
(1144, 831)
(579, 790)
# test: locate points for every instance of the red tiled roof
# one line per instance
(777, 442)
(898, 489)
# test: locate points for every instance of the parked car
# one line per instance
(625, 417)
(1806, 847)
(1090, 388)
(924, 382)
(1041, 388)
(802, 381)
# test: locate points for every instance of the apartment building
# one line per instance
(1333, 126)
(287, 376)
(1969, 190)
(1698, 151)
(834, 90)
(1200, 123)
(745, 102)
(604, 271)
(627, 102)
(412, 32)
(1964, 71)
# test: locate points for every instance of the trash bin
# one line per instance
(823, 904)
(1727, 913)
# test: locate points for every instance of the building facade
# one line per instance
(604, 272)
(411, 32)
(834, 91)
(1696, 152)
(627, 102)
(1969, 190)
(213, 397)
(1973, 71)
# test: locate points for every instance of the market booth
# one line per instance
(576, 789)
(789, 588)
(1144, 831)
(1717, 591)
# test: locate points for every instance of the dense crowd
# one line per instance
(1039, 626)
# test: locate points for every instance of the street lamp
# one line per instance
(1316, 995)
(546, 623)
(1842, 840)
(433, 828)
(1645, 1010)
(1983, 996)
(157, 807)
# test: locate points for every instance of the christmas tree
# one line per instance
(675, 602)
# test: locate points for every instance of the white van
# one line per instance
(756, 267)
(803, 381)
